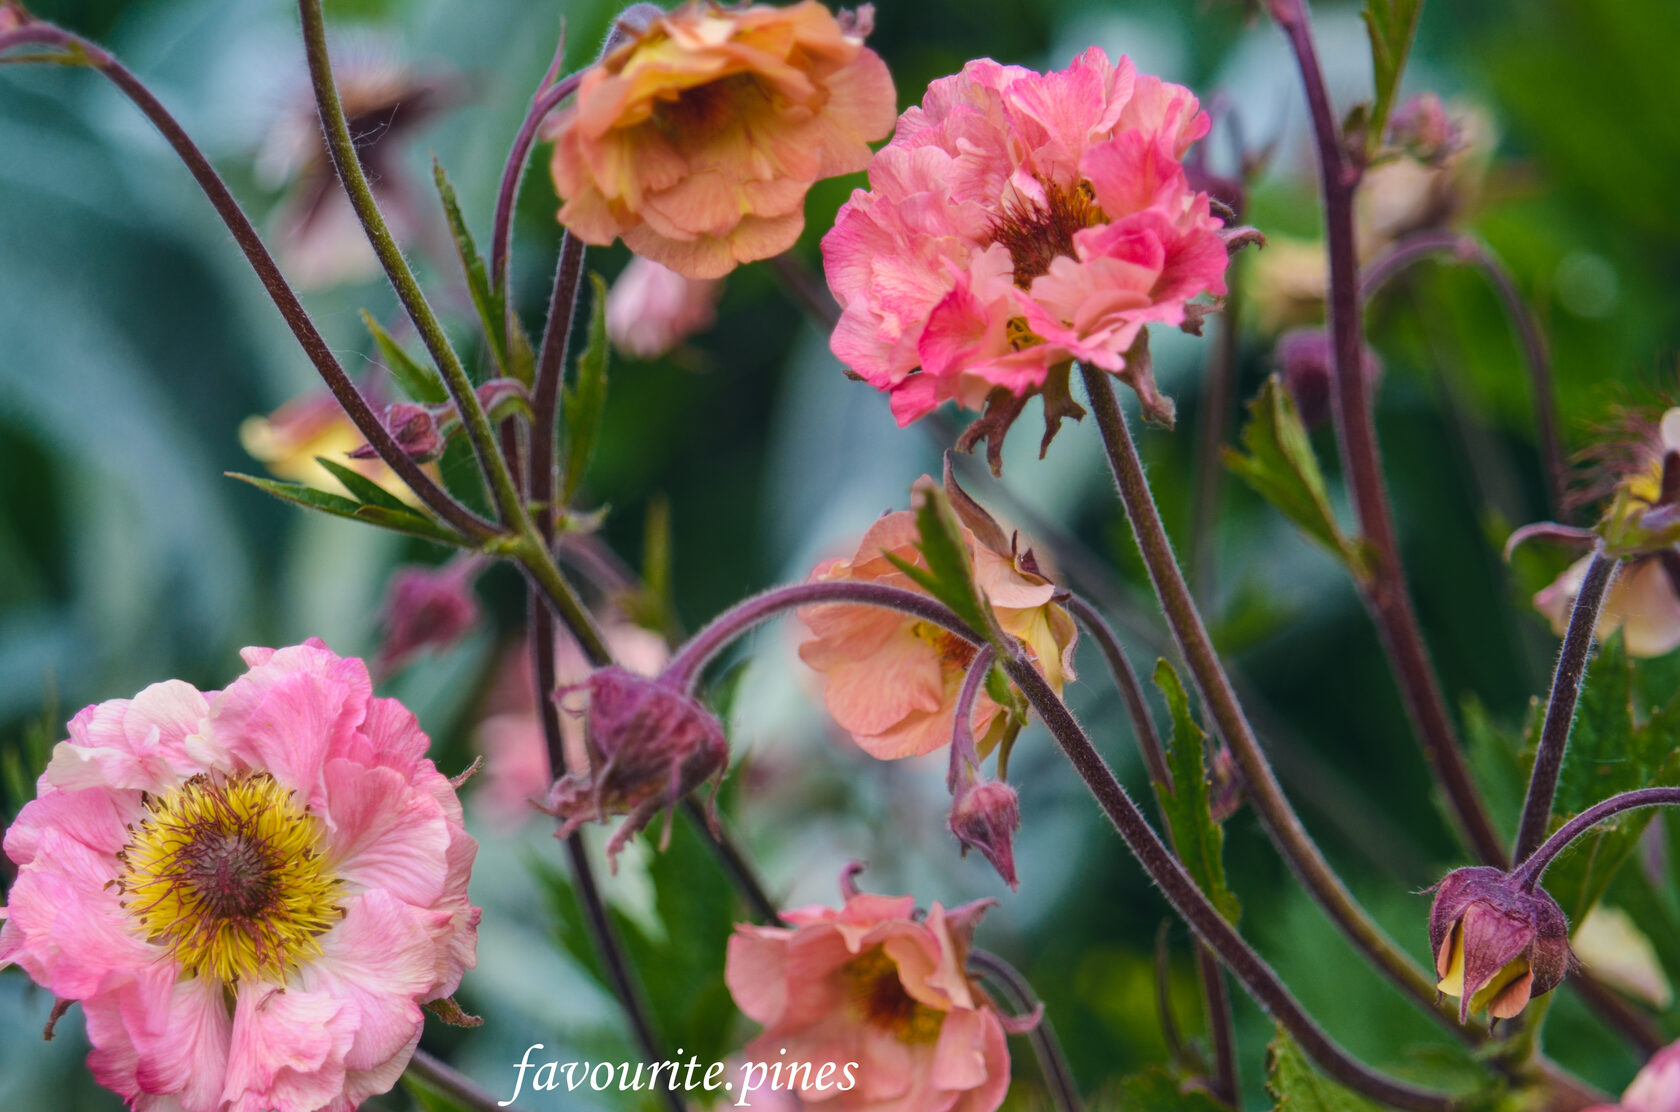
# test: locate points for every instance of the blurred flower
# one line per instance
(650, 744)
(651, 308)
(516, 773)
(891, 680)
(1422, 128)
(1016, 222)
(1656, 1089)
(1612, 948)
(875, 985)
(428, 608)
(10, 18)
(320, 242)
(288, 441)
(1305, 357)
(985, 814)
(1641, 602)
(1496, 946)
(250, 892)
(696, 141)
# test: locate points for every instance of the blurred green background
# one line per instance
(133, 342)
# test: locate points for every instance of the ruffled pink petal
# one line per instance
(286, 1049)
(383, 834)
(378, 962)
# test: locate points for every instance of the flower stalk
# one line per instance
(1052, 1063)
(1534, 866)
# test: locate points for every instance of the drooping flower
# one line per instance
(1019, 221)
(428, 608)
(891, 680)
(697, 140)
(250, 892)
(876, 985)
(1496, 945)
(985, 814)
(651, 308)
(1656, 1089)
(289, 440)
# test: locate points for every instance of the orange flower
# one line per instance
(697, 140)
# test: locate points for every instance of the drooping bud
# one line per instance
(1306, 358)
(428, 608)
(504, 397)
(1496, 944)
(1225, 793)
(985, 815)
(415, 429)
(651, 308)
(650, 744)
(1422, 128)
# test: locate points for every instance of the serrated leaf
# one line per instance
(1197, 839)
(1297, 1087)
(491, 304)
(1281, 467)
(362, 488)
(586, 401)
(1392, 25)
(419, 382)
(406, 521)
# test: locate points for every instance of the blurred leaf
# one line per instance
(1497, 761)
(404, 520)
(362, 488)
(431, 1099)
(1157, 1090)
(1282, 469)
(419, 382)
(491, 304)
(1297, 1087)
(949, 575)
(1392, 25)
(586, 401)
(1197, 839)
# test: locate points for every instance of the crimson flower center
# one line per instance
(1036, 232)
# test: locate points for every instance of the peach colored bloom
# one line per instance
(651, 308)
(251, 892)
(1018, 221)
(288, 441)
(1641, 602)
(696, 141)
(875, 985)
(1656, 1089)
(890, 680)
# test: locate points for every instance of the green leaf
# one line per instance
(1392, 25)
(1157, 1090)
(1282, 469)
(586, 401)
(431, 1099)
(404, 521)
(419, 382)
(1197, 839)
(362, 488)
(491, 304)
(1297, 1087)
(949, 574)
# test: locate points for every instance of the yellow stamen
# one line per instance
(881, 1001)
(229, 873)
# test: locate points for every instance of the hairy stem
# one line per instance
(1464, 249)
(965, 756)
(1208, 674)
(545, 101)
(472, 527)
(1385, 591)
(1058, 1078)
(1528, 873)
(1560, 705)
(1222, 1030)
(437, 1074)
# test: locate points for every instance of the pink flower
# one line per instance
(1018, 221)
(890, 680)
(428, 608)
(876, 985)
(651, 308)
(1656, 1089)
(251, 892)
(696, 141)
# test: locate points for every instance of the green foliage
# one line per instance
(1157, 1090)
(1198, 840)
(1297, 1087)
(1281, 467)
(399, 518)
(949, 575)
(1392, 25)
(1500, 764)
(490, 303)
(429, 1097)
(418, 381)
(586, 401)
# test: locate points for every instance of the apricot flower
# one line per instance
(1656, 1089)
(875, 986)
(251, 892)
(890, 680)
(1019, 221)
(696, 141)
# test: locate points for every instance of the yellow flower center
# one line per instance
(1035, 233)
(954, 652)
(229, 873)
(880, 1001)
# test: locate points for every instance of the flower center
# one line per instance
(1036, 232)
(229, 874)
(880, 1000)
(953, 650)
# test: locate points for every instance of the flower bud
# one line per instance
(1306, 358)
(1422, 128)
(985, 815)
(651, 308)
(1496, 944)
(1225, 792)
(428, 608)
(415, 429)
(650, 744)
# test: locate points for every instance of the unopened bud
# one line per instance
(651, 308)
(415, 429)
(1225, 793)
(1422, 128)
(1497, 945)
(1306, 359)
(428, 608)
(985, 815)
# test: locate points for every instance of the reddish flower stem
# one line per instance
(546, 100)
(965, 755)
(1534, 866)
(457, 1086)
(472, 527)
(1385, 592)
(1052, 1063)
(1560, 705)
(1464, 249)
